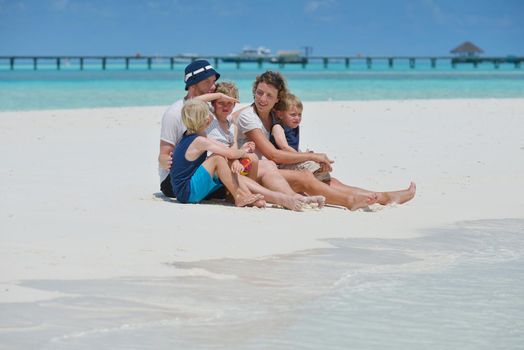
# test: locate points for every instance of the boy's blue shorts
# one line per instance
(202, 184)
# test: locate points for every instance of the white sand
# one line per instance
(78, 187)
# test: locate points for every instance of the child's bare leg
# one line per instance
(383, 198)
(220, 166)
(305, 181)
(253, 173)
(261, 203)
(293, 202)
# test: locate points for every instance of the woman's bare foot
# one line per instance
(320, 201)
(398, 197)
(359, 201)
(243, 200)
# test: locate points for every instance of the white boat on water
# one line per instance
(290, 56)
(249, 54)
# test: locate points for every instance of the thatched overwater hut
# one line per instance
(467, 49)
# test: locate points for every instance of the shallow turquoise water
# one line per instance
(25, 89)
(459, 287)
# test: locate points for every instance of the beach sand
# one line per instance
(80, 197)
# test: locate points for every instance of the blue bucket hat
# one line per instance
(197, 71)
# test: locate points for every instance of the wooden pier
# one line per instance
(150, 62)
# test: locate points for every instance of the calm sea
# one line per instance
(460, 287)
(47, 88)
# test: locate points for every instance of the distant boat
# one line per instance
(289, 57)
(249, 54)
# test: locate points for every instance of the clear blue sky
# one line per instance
(331, 27)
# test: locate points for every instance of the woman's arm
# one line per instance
(283, 157)
(280, 138)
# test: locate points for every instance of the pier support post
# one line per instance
(81, 63)
(411, 63)
(12, 63)
(172, 63)
(238, 64)
(216, 62)
(326, 60)
(433, 63)
(149, 62)
(35, 64)
(390, 62)
(104, 63)
(369, 62)
(58, 63)
(259, 61)
(347, 62)
(127, 63)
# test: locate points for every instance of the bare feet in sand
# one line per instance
(398, 197)
(359, 201)
(243, 200)
(320, 201)
(294, 203)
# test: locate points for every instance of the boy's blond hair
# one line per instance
(227, 88)
(289, 101)
(195, 115)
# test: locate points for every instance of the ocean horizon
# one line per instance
(69, 88)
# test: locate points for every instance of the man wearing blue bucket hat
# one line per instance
(200, 78)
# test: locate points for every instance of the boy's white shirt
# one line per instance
(214, 131)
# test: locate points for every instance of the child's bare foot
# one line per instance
(243, 200)
(399, 197)
(294, 203)
(320, 201)
(359, 201)
(260, 203)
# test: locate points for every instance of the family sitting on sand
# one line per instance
(253, 152)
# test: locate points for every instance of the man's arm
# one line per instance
(165, 155)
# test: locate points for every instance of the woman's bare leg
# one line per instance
(305, 181)
(270, 177)
(384, 198)
(276, 189)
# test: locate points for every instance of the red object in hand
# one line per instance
(246, 163)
